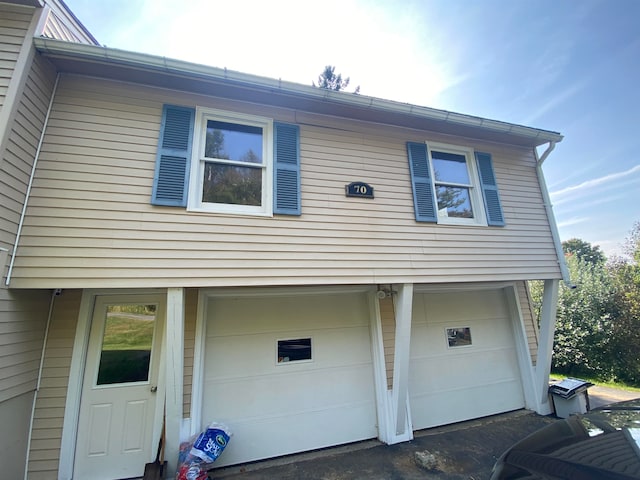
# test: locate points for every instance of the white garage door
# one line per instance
(463, 358)
(260, 381)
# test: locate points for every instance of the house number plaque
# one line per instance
(359, 189)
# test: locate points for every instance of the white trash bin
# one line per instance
(570, 396)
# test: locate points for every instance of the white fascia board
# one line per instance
(193, 70)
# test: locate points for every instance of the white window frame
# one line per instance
(195, 203)
(475, 188)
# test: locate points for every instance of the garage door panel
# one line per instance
(280, 408)
(452, 372)
(291, 392)
(353, 344)
(263, 437)
(240, 354)
(454, 383)
(431, 411)
(486, 304)
(263, 314)
(257, 354)
(486, 334)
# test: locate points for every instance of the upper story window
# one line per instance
(216, 161)
(231, 167)
(453, 185)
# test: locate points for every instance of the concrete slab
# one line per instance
(465, 450)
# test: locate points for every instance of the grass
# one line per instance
(611, 384)
(128, 332)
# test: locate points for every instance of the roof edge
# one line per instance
(60, 48)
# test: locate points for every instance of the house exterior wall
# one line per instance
(21, 146)
(61, 24)
(50, 404)
(23, 316)
(529, 318)
(90, 223)
(14, 417)
(49, 412)
(14, 24)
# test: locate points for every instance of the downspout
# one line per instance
(31, 177)
(564, 270)
(56, 293)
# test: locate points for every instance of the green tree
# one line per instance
(584, 321)
(329, 80)
(625, 344)
(583, 250)
(598, 323)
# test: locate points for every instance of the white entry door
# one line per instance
(119, 404)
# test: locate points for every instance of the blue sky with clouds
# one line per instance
(571, 66)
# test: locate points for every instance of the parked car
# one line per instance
(601, 444)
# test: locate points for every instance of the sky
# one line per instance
(569, 66)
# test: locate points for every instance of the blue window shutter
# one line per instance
(171, 180)
(286, 148)
(492, 205)
(423, 195)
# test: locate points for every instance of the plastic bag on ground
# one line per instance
(199, 452)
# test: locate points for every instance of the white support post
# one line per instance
(174, 347)
(545, 343)
(400, 420)
(527, 372)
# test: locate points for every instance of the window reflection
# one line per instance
(126, 343)
(459, 337)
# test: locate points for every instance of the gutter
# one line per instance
(179, 68)
(564, 270)
(31, 177)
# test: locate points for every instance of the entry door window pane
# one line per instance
(126, 343)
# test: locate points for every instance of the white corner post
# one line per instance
(174, 348)
(545, 343)
(400, 425)
(525, 364)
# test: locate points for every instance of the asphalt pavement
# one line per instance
(462, 451)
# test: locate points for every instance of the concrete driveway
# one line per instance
(465, 450)
(599, 396)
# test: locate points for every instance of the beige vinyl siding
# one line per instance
(530, 320)
(61, 25)
(15, 415)
(55, 28)
(388, 321)
(90, 222)
(23, 316)
(21, 147)
(14, 23)
(49, 413)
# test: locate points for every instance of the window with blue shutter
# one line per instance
(171, 179)
(492, 204)
(286, 148)
(450, 188)
(225, 162)
(423, 197)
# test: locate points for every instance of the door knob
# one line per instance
(154, 389)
